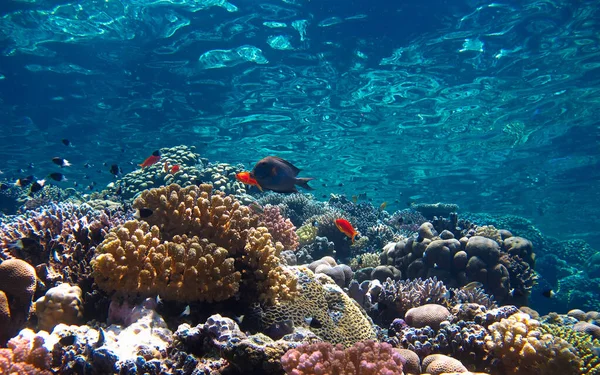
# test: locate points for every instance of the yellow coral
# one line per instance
(306, 234)
(582, 342)
(336, 317)
(523, 349)
(489, 231)
(192, 247)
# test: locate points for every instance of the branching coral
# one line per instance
(188, 250)
(280, 228)
(363, 358)
(522, 348)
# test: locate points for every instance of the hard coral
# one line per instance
(437, 364)
(26, 355)
(427, 315)
(192, 249)
(280, 228)
(584, 343)
(17, 287)
(363, 358)
(61, 304)
(523, 348)
(335, 317)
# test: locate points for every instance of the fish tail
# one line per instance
(303, 182)
(353, 235)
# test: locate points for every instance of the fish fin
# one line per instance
(294, 168)
(303, 182)
(259, 187)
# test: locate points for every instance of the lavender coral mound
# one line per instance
(363, 358)
(188, 248)
(523, 348)
(282, 229)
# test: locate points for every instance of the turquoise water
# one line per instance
(492, 106)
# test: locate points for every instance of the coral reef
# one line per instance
(367, 357)
(431, 315)
(340, 273)
(297, 207)
(429, 210)
(26, 355)
(584, 343)
(436, 364)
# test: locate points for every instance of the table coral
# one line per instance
(363, 358)
(17, 287)
(335, 316)
(522, 348)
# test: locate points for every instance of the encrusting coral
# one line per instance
(187, 249)
(522, 348)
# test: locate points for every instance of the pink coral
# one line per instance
(363, 358)
(26, 355)
(282, 229)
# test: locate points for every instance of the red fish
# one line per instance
(247, 179)
(174, 169)
(345, 227)
(151, 160)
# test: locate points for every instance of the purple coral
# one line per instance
(282, 229)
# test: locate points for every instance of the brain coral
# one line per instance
(523, 348)
(363, 358)
(436, 364)
(335, 316)
(427, 315)
(188, 247)
(17, 287)
(583, 342)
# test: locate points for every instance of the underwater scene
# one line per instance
(299, 187)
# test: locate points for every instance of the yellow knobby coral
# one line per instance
(525, 350)
(306, 234)
(490, 232)
(582, 342)
(274, 282)
(134, 259)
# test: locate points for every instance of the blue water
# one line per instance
(492, 106)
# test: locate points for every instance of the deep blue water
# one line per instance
(493, 106)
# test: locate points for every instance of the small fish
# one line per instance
(91, 186)
(66, 142)
(185, 312)
(151, 160)
(257, 208)
(166, 167)
(61, 162)
(279, 175)
(548, 293)
(345, 227)
(67, 340)
(56, 176)
(37, 186)
(115, 170)
(246, 178)
(382, 206)
(22, 182)
(354, 198)
(143, 213)
(472, 286)
(279, 329)
(313, 322)
(158, 300)
(24, 244)
(174, 169)
(88, 165)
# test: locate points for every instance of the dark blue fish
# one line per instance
(274, 173)
(279, 329)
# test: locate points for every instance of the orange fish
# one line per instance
(174, 169)
(245, 178)
(151, 160)
(345, 227)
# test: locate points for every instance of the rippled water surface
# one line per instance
(493, 106)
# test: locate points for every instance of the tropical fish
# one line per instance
(382, 206)
(472, 286)
(115, 170)
(151, 160)
(22, 182)
(66, 142)
(36, 186)
(279, 329)
(548, 293)
(345, 227)
(247, 179)
(354, 198)
(56, 176)
(61, 162)
(274, 173)
(143, 213)
(174, 169)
